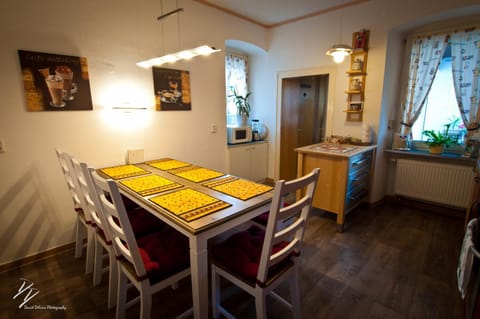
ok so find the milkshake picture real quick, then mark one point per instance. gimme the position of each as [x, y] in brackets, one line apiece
[66, 74]
[55, 88]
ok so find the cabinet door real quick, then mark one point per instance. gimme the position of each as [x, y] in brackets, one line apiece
[258, 162]
[239, 161]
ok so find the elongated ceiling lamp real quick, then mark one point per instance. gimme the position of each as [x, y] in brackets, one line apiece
[180, 55]
[340, 51]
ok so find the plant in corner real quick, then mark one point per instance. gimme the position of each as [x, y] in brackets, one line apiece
[437, 140]
[243, 106]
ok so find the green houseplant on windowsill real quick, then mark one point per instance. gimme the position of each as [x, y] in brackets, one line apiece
[243, 106]
[437, 140]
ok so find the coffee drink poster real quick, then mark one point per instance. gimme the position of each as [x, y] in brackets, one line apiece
[55, 82]
[172, 89]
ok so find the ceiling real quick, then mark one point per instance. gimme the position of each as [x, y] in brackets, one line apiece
[271, 13]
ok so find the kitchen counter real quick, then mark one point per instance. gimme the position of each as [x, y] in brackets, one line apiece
[345, 178]
[338, 150]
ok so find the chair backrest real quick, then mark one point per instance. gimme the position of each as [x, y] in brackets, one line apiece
[118, 224]
[93, 206]
[287, 239]
[65, 161]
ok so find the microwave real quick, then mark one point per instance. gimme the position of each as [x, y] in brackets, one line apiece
[239, 134]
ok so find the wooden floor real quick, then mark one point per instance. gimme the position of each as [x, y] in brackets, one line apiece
[391, 262]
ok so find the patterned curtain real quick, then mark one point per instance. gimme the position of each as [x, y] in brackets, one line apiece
[236, 73]
[425, 57]
[466, 76]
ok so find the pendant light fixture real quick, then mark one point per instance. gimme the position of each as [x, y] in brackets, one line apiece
[180, 55]
[340, 51]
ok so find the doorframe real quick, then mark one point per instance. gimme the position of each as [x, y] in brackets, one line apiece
[281, 75]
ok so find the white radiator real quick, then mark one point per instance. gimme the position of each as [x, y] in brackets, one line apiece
[446, 184]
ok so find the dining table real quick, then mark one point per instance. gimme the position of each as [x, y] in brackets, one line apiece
[199, 202]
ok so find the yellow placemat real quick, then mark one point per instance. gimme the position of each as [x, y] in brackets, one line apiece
[167, 163]
[123, 171]
[196, 174]
[189, 204]
[151, 184]
[238, 188]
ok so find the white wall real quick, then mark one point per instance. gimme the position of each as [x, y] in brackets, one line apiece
[35, 208]
[302, 46]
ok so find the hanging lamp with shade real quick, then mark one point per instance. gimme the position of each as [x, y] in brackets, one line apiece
[340, 51]
[180, 55]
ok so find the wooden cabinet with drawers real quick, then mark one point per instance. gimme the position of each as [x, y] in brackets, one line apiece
[345, 174]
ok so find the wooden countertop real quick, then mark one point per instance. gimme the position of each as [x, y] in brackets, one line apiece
[335, 150]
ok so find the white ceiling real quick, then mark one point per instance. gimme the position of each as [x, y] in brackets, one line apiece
[270, 13]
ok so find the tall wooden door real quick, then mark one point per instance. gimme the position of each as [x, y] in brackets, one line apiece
[288, 128]
[304, 101]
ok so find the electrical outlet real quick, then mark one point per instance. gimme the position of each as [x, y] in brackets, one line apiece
[134, 156]
[3, 146]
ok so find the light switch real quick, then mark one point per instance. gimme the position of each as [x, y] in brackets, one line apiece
[134, 156]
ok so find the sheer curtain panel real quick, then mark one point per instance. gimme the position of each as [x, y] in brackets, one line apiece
[425, 56]
[466, 76]
[236, 73]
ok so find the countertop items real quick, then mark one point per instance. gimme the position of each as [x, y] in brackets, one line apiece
[331, 149]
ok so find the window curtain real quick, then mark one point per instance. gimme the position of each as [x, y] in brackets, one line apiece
[425, 57]
[236, 75]
[466, 76]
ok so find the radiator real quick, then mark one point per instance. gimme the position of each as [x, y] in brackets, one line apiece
[445, 184]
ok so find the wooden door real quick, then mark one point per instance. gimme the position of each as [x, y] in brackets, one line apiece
[304, 101]
[288, 128]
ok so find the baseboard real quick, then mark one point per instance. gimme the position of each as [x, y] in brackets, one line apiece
[429, 207]
[33, 258]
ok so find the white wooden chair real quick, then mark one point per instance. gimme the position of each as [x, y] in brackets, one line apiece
[84, 229]
[151, 262]
[259, 260]
[102, 238]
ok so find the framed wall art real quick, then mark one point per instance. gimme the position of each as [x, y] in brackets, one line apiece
[54, 82]
[172, 89]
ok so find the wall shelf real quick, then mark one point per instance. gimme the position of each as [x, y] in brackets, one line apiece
[357, 75]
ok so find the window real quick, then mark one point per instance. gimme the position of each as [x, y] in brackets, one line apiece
[440, 105]
[443, 85]
[236, 76]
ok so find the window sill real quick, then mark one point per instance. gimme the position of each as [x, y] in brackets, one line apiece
[451, 158]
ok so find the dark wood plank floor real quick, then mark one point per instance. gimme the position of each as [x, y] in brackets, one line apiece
[391, 262]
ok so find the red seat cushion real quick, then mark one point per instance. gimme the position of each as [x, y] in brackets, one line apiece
[164, 253]
[129, 204]
[263, 218]
[240, 255]
[144, 222]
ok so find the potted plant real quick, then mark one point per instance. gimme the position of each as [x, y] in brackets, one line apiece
[243, 106]
[437, 140]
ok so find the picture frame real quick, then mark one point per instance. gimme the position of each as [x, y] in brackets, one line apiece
[54, 82]
[356, 84]
[360, 39]
[171, 89]
[355, 106]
